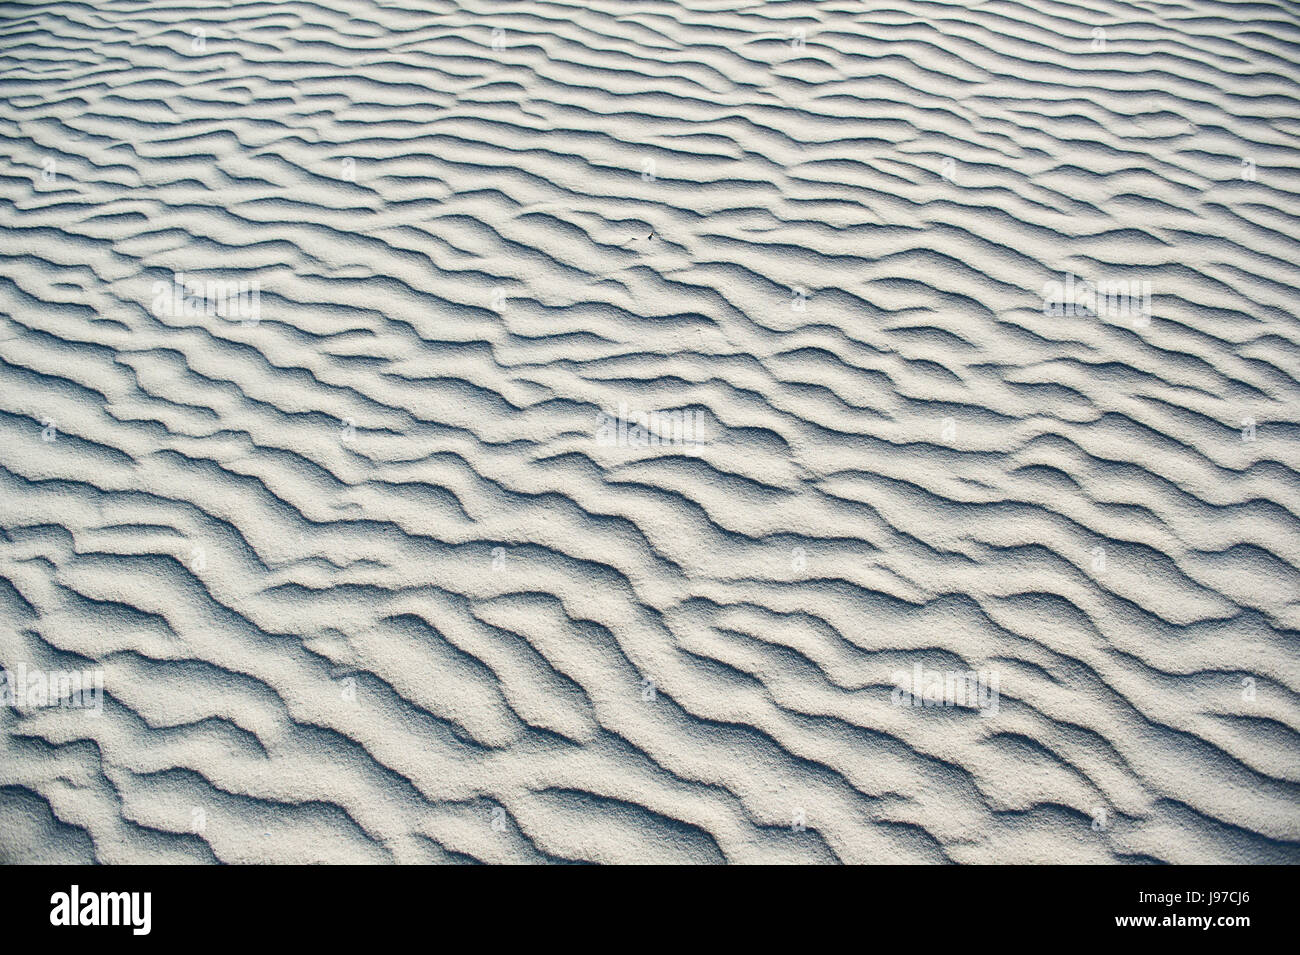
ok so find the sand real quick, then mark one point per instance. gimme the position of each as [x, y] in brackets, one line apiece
[327, 330]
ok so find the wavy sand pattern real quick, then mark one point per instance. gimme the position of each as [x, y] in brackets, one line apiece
[365, 585]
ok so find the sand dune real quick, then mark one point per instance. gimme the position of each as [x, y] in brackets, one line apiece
[326, 335]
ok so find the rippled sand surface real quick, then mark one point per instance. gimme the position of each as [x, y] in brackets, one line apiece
[373, 570]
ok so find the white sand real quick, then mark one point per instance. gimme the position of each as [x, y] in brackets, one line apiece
[362, 579]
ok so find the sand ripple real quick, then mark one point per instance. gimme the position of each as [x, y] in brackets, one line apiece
[365, 584]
